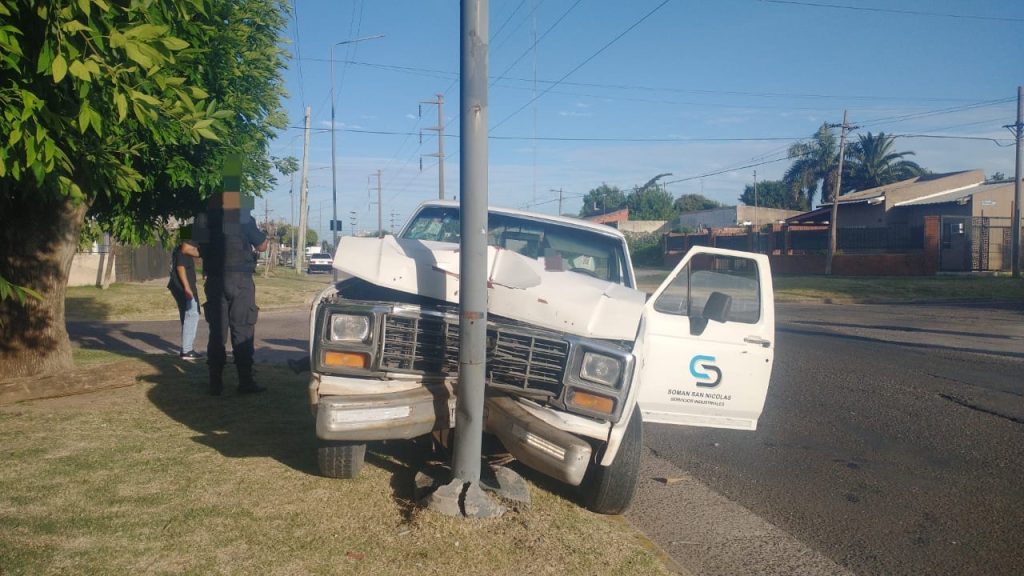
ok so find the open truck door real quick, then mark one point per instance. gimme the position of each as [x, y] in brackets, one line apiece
[707, 340]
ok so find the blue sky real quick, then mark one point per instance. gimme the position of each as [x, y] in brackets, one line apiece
[622, 91]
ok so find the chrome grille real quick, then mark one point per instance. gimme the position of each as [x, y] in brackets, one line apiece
[414, 344]
[527, 362]
[515, 360]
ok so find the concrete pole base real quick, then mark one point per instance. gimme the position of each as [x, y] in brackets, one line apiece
[436, 490]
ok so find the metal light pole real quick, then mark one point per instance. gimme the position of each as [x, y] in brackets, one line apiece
[463, 495]
[334, 172]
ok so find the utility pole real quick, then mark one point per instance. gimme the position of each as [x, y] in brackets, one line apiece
[303, 197]
[1018, 133]
[380, 209]
[291, 222]
[757, 228]
[559, 199]
[845, 127]
[440, 143]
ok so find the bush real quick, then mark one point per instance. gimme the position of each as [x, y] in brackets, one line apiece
[645, 249]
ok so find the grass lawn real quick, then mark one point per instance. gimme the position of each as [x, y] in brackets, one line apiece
[157, 477]
[152, 300]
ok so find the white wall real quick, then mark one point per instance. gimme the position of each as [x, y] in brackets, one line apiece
[86, 267]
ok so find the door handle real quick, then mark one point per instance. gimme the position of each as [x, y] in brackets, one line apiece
[758, 340]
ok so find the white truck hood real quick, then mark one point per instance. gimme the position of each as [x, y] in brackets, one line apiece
[517, 287]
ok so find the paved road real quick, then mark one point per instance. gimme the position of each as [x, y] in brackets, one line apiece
[891, 443]
[280, 334]
[875, 456]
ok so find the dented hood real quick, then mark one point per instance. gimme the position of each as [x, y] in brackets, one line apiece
[517, 287]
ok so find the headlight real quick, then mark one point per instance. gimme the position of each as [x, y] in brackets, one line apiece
[601, 369]
[349, 328]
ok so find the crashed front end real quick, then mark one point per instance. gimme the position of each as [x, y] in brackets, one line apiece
[385, 353]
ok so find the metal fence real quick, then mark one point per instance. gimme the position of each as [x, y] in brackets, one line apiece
[990, 244]
[849, 240]
[141, 263]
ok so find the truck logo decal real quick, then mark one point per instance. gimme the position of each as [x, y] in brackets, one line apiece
[704, 370]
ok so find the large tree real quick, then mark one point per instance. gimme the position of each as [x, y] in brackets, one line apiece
[814, 169]
[123, 112]
[651, 201]
[771, 194]
[602, 200]
[695, 203]
[871, 162]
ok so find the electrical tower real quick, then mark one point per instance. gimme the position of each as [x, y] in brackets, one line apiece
[440, 142]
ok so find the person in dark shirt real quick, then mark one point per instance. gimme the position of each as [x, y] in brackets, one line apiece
[182, 284]
[229, 262]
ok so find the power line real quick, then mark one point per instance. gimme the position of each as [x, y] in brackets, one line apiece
[896, 11]
[512, 14]
[536, 42]
[635, 139]
[583, 63]
[437, 73]
[498, 44]
[996, 141]
[298, 50]
[939, 112]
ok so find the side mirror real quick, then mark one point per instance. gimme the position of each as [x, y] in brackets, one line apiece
[716, 308]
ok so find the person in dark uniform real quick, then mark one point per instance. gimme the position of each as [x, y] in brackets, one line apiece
[229, 259]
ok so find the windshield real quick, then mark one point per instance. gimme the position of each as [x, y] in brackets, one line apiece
[559, 247]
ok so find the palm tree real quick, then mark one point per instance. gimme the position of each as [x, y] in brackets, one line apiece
[872, 163]
[815, 162]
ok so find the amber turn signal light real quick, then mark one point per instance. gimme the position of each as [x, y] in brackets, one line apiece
[346, 359]
[592, 401]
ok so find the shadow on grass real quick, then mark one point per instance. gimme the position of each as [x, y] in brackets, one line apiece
[86, 307]
[276, 424]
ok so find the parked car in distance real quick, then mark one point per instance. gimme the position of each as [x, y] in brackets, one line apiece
[319, 263]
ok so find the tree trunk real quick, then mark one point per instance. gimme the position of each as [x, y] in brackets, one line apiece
[40, 239]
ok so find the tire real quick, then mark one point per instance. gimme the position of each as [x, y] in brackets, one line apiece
[340, 459]
[610, 489]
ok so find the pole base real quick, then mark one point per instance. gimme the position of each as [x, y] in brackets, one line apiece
[436, 490]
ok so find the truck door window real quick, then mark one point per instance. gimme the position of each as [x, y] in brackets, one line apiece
[707, 273]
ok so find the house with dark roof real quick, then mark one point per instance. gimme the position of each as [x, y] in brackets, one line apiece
[973, 216]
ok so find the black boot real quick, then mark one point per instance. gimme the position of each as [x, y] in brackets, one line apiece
[246, 384]
[216, 380]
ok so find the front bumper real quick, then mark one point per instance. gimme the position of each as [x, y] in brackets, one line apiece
[409, 413]
[398, 415]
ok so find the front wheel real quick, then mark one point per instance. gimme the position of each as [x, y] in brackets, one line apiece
[340, 459]
[610, 489]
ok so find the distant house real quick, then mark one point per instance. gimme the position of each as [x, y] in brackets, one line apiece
[610, 218]
[731, 216]
[973, 217]
[906, 202]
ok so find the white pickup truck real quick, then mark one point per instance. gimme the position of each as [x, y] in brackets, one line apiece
[577, 357]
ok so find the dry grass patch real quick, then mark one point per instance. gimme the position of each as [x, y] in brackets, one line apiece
[158, 477]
